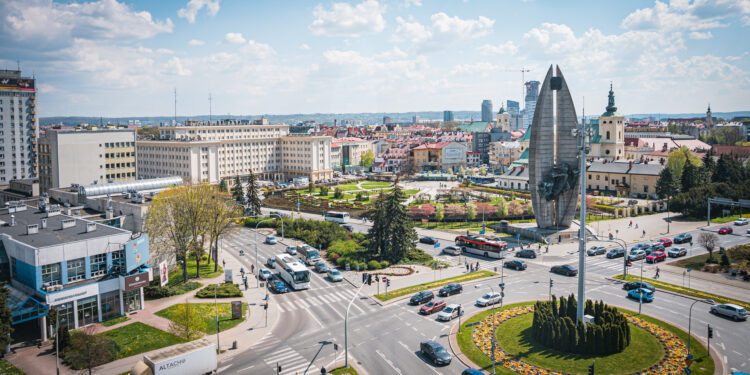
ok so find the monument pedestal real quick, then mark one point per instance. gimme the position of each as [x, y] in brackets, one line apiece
[533, 232]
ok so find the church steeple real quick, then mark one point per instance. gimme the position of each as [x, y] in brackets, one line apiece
[709, 117]
[611, 108]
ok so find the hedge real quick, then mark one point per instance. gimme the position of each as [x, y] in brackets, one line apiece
[224, 290]
[156, 292]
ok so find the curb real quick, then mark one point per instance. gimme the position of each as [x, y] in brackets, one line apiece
[664, 290]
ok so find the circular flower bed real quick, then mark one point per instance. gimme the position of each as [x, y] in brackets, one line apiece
[396, 271]
[673, 361]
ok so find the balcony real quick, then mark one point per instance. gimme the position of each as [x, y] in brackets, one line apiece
[33, 105]
[33, 143]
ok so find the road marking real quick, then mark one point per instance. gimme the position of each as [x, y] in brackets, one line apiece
[354, 304]
[312, 315]
[723, 347]
[736, 352]
[240, 370]
[220, 369]
[725, 359]
[388, 361]
[404, 345]
[717, 334]
[304, 304]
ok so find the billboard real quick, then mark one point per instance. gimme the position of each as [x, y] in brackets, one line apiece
[163, 274]
[23, 84]
[136, 252]
[134, 281]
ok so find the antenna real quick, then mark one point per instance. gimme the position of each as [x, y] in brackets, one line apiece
[18, 64]
[209, 108]
[175, 106]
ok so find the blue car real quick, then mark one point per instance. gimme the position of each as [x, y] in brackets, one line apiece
[648, 296]
[277, 286]
[471, 371]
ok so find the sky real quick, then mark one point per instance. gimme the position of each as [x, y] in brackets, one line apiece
[113, 58]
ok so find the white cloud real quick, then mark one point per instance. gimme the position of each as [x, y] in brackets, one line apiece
[395, 53]
[507, 48]
[234, 38]
[685, 15]
[196, 42]
[175, 66]
[46, 88]
[304, 47]
[379, 73]
[442, 23]
[194, 6]
[416, 3]
[443, 30]
[411, 30]
[349, 21]
[698, 35]
[258, 50]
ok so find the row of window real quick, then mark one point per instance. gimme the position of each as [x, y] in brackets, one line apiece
[52, 275]
[119, 144]
[120, 165]
[645, 188]
[119, 155]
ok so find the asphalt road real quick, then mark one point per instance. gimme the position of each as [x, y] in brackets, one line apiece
[385, 340]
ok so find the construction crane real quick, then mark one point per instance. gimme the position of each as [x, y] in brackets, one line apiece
[523, 81]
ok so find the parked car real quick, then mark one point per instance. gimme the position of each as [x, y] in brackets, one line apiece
[432, 306]
[656, 256]
[638, 285]
[740, 221]
[637, 255]
[428, 240]
[516, 264]
[435, 352]
[348, 227]
[725, 230]
[641, 294]
[321, 267]
[656, 246]
[666, 242]
[488, 299]
[271, 240]
[271, 262]
[292, 250]
[334, 275]
[452, 288]
[683, 238]
[565, 269]
[422, 297]
[277, 286]
[596, 250]
[615, 253]
[265, 274]
[452, 250]
[677, 252]
[451, 311]
[730, 310]
[526, 253]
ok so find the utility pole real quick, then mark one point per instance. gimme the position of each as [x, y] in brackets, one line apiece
[216, 306]
[582, 230]
[175, 105]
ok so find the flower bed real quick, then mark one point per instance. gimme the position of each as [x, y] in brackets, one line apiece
[396, 271]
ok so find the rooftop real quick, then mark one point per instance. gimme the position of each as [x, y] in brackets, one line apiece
[651, 169]
[476, 126]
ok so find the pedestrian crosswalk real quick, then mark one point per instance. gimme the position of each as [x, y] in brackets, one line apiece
[268, 340]
[288, 359]
[305, 301]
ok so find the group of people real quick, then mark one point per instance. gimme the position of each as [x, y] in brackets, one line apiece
[471, 267]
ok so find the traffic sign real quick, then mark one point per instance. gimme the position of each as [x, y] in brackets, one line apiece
[518, 235]
[501, 285]
[471, 324]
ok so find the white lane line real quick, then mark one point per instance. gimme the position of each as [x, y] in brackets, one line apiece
[404, 345]
[333, 297]
[303, 303]
[357, 307]
[312, 315]
[280, 355]
[389, 362]
[723, 347]
[313, 301]
[293, 367]
[717, 334]
[245, 369]
[736, 352]
[281, 308]
[326, 301]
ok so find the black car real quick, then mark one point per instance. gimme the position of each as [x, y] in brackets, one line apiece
[566, 270]
[516, 265]
[471, 371]
[428, 240]
[615, 253]
[640, 246]
[637, 284]
[682, 238]
[654, 248]
[321, 267]
[277, 285]
[526, 253]
[421, 297]
[435, 352]
[452, 288]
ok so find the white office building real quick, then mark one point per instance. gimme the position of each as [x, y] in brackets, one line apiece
[19, 127]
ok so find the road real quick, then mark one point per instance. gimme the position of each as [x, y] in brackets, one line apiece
[385, 340]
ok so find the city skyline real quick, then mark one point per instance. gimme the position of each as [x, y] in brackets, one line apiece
[113, 59]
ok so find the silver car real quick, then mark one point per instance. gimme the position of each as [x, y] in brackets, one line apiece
[488, 299]
[637, 255]
[596, 250]
[730, 310]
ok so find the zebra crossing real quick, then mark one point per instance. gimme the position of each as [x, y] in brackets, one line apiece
[268, 340]
[290, 361]
[305, 301]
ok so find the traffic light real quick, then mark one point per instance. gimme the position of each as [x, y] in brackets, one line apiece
[364, 277]
[388, 283]
[369, 279]
[710, 332]
[377, 279]
[336, 347]
[592, 368]
[551, 283]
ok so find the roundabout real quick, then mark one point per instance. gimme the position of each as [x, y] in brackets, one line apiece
[656, 347]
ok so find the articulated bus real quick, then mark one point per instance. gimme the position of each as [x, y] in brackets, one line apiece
[293, 272]
[482, 246]
[339, 217]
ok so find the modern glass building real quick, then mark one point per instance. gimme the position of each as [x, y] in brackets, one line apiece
[448, 116]
[532, 95]
[487, 112]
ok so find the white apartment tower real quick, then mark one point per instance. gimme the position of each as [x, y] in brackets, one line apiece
[19, 127]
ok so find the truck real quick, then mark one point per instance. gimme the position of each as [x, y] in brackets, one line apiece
[193, 358]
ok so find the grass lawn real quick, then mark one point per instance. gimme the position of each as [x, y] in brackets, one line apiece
[727, 219]
[698, 261]
[8, 369]
[687, 291]
[207, 312]
[375, 185]
[111, 322]
[137, 338]
[435, 284]
[346, 187]
[344, 371]
[455, 224]
[207, 272]
[411, 192]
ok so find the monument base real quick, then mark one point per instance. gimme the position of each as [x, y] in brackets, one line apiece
[533, 232]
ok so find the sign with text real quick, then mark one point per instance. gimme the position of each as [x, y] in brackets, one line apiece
[236, 310]
[136, 252]
[134, 281]
[163, 273]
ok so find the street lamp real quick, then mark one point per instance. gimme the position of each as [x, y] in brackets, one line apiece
[493, 332]
[690, 318]
[346, 326]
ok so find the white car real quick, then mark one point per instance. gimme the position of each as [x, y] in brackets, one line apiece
[488, 299]
[677, 252]
[449, 312]
[453, 250]
[740, 221]
[292, 250]
[271, 240]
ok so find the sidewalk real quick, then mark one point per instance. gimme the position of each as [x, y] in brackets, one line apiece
[710, 282]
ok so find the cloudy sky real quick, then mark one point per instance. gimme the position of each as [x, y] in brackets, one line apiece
[114, 58]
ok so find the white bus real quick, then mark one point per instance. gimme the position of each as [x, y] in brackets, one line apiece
[293, 272]
[482, 246]
[338, 217]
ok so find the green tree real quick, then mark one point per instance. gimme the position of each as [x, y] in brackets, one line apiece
[690, 177]
[88, 350]
[724, 260]
[338, 193]
[5, 314]
[186, 322]
[324, 191]
[502, 209]
[253, 196]
[311, 187]
[439, 212]
[729, 169]
[238, 192]
[449, 126]
[709, 164]
[392, 235]
[530, 209]
[666, 185]
[461, 171]
[220, 214]
[223, 186]
[678, 158]
[367, 158]
[483, 171]
[471, 211]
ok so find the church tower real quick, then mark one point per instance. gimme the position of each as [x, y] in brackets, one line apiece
[611, 131]
[709, 119]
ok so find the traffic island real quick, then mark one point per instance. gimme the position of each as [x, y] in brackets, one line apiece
[655, 347]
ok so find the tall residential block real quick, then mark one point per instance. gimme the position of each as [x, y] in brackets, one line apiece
[487, 112]
[448, 116]
[86, 157]
[19, 127]
[532, 95]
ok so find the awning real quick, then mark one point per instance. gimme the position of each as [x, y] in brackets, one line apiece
[24, 307]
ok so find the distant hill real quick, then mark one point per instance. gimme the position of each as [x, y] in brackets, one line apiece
[721, 115]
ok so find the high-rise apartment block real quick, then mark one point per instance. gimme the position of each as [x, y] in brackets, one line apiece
[487, 110]
[448, 116]
[19, 127]
[86, 157]
[532, 94]
[203, 152]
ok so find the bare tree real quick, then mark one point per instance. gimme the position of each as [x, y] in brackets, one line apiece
[220, 214]
[708, 241]
[186, 322]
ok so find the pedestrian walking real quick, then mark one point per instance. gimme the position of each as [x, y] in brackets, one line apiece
[223, 263]
[657, 273]
[636, 225]
[644, 233]
[477, 268]
[467, 265]
[252, 268]
[631, 224]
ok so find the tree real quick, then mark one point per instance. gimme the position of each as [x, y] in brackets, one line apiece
[666, 185]
[366, 159]
[253, 196]
[461, 171]
[88, 350]
[728, 169]
[323, 191]
[220, 214]
[678, 158]
[439, 212]
[311, 187]
[471, 211]
[392, 235]
[709, 164]
[338, 193]
[186, 322]
[483, 171]
[708, 241]
[5, 314]
[449, 126]
[223, 186]
[502, 209]
[690, 177]
[529, 209]
[238, 192]
[724, 260]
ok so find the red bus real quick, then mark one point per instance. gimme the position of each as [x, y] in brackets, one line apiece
[482, 246]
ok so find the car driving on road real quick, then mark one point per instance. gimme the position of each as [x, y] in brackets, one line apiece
[516, 264]
[666, 242]
[334, 275]
[277, 285]
[291, 250]
[637, 284]
[615, 253]
[421, 297]
[449, 312]
[741, 221]
[730, 310]
[725, 230]
[641, 294]
[450, 289]
[656, 256]
[428, 240]
[565, 270]
[683, 238]
[526, 253]
[596, 250]
[265, 274]
[488, 299]
[271, 262]
[321, 267]
[435, 352]
[452, 250]
[637, 255]
[432, 306]
[271, 240]
[677, 252]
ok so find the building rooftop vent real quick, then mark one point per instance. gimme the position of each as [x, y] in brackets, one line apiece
[90, 227]
[67, 223]
[32, 229]
[53, 210]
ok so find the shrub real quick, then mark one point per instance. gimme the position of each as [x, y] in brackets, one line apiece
[156, 291]
[374, 265]
[724, 260]
[384, 264]
[224, 290]
[64, 335]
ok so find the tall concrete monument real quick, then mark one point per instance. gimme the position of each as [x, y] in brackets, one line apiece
[553, 155]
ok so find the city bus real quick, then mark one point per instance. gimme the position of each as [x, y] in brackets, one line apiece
[482, 246]
[293, 272]
[338, 217]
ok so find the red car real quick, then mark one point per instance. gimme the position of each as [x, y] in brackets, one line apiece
[725, 230]
[666, 242]
[656, 256]
[432, 306]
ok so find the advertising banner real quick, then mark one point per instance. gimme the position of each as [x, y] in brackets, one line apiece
[236, 310]
[22, 84]
[134, 282]
[136, 252]
[163, 273]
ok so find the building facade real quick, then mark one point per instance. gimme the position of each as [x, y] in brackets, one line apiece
[487, 110]
[350, 150]
[532, 95]
[502, 154]
[448, 116]
[86, 157]
[19, 127]
[624, 177]
[608, 139]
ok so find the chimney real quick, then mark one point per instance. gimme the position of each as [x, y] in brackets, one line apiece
[12, 220]
[630, 165]
[44, 223]
[32, 229]
[90, 227]
[662, 161]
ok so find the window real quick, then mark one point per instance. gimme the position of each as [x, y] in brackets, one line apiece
[118, 261]
[597, 177]
[607, 134]
[645, 188]
[98, 265]
[51, 274]
[76, 270]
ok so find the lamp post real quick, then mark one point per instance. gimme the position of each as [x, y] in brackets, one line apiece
[216, 306]
[690, 319]
[493, 332]
[257, 265]
[282, 224]
[346, 326]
